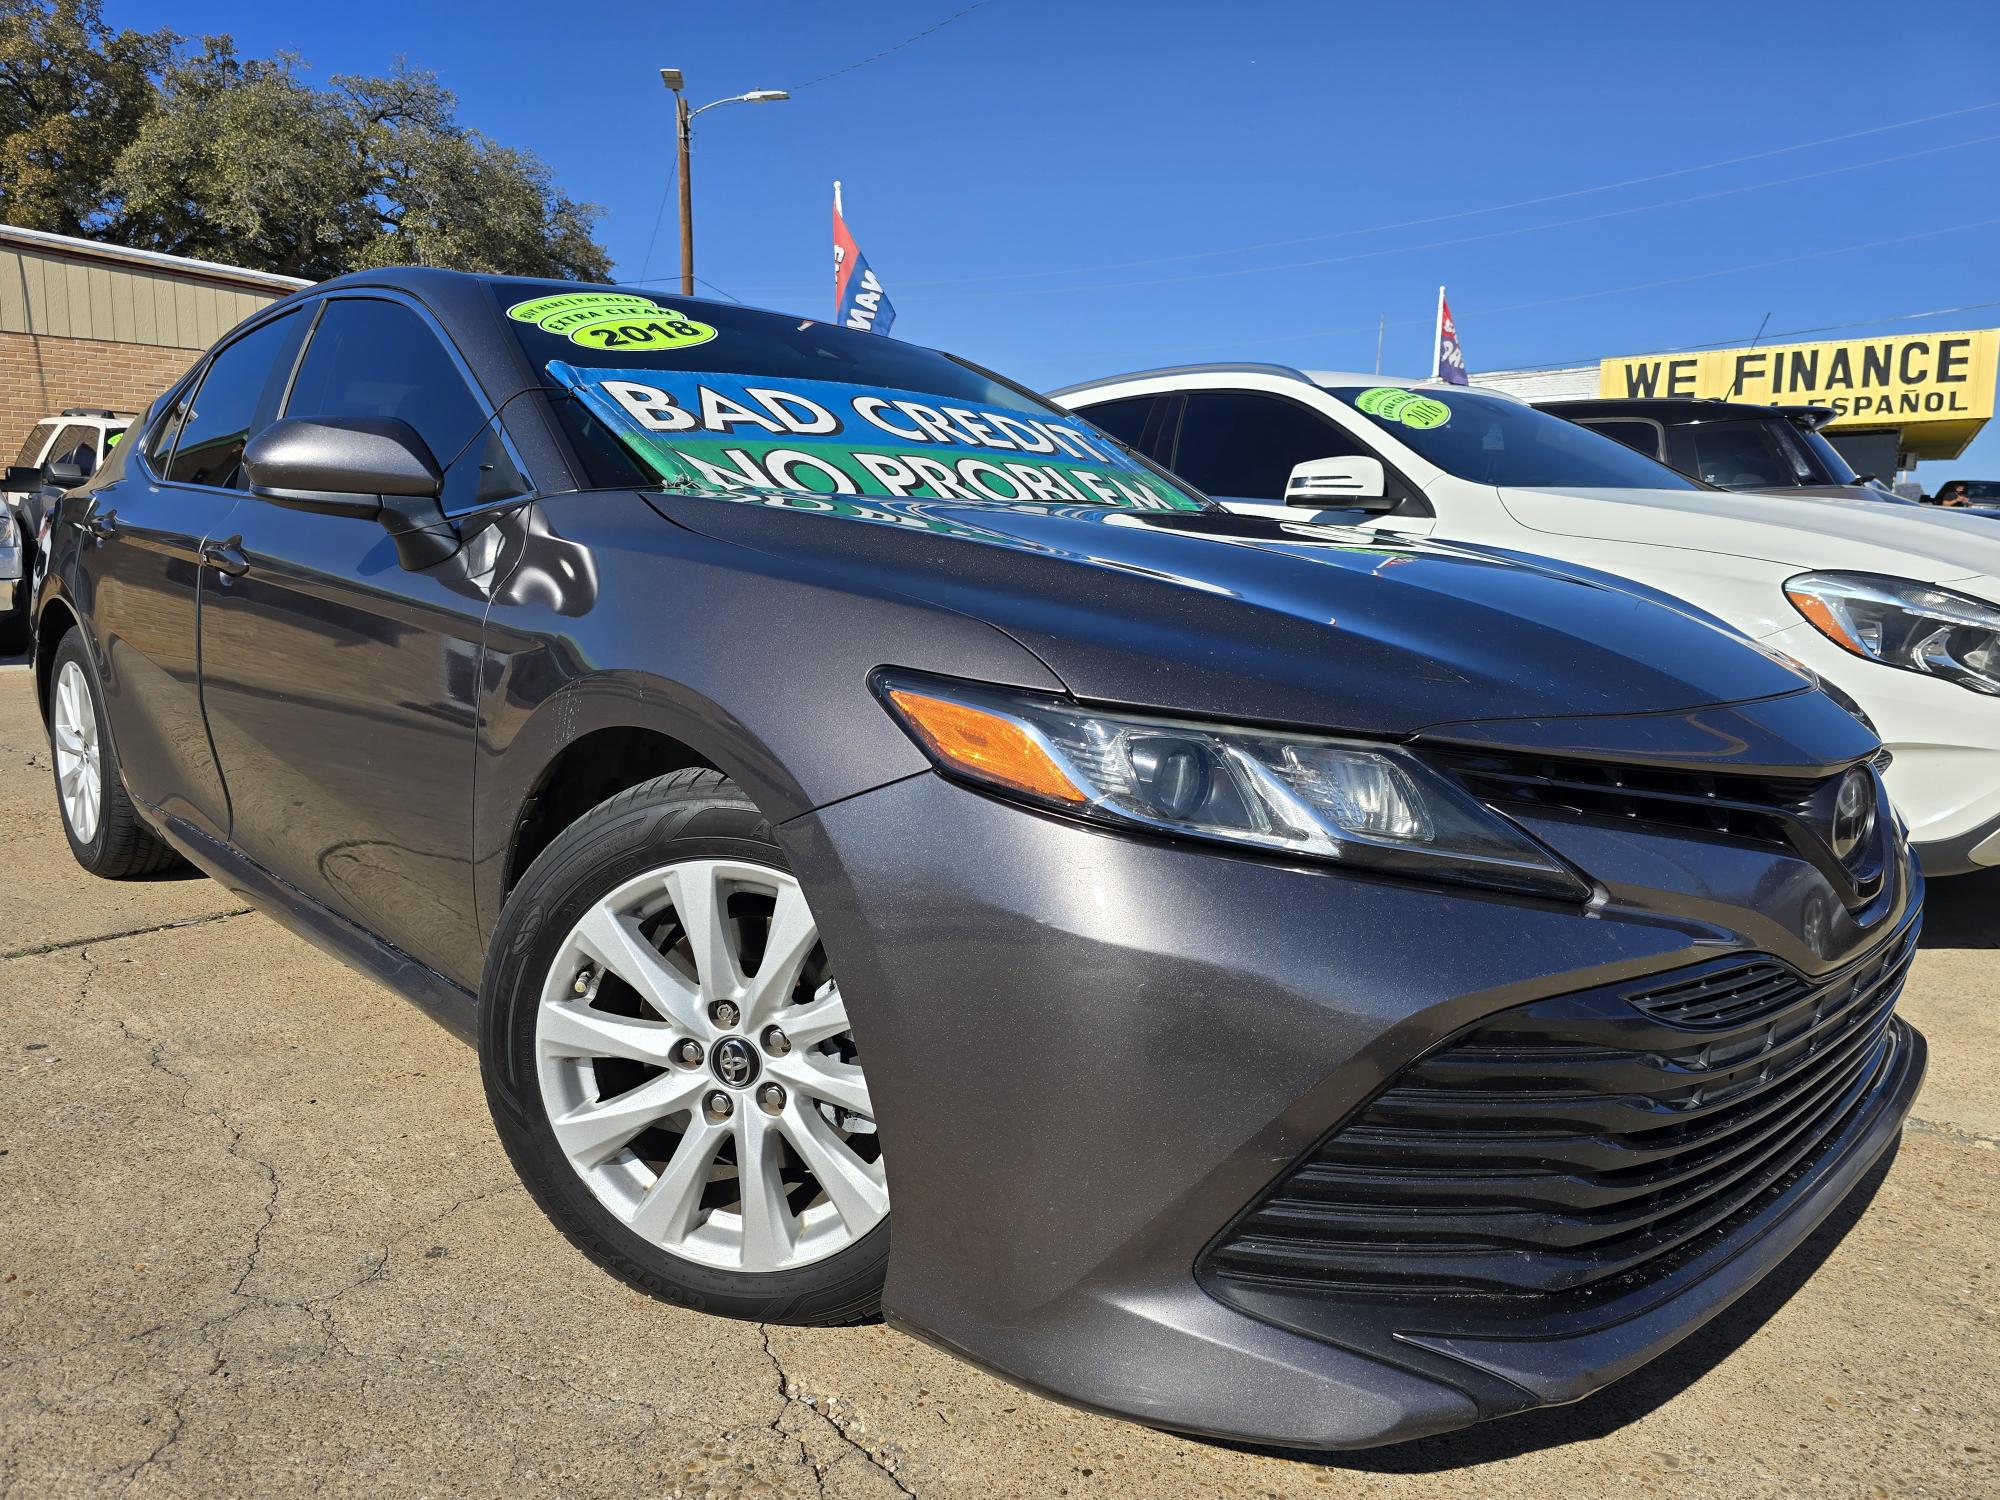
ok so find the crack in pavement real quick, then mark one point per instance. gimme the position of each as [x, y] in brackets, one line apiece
[37, 950]
[1953, 1133]
[211, 1329]
[788, 1397]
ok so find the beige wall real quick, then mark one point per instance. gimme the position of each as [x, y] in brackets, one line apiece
[59, 297]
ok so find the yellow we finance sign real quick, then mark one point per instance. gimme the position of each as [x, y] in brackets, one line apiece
[1936, 387]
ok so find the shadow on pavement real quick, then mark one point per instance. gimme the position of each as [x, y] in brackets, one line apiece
[1963, 911]
[1638, 1394]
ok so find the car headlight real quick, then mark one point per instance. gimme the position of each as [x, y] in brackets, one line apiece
[1902, 623]
[9, 534]
[1367, 805]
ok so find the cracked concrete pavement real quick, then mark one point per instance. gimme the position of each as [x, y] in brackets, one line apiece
[257, 1238]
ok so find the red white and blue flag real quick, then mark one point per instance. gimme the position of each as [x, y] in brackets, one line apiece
[858, 298]
[1450, 358]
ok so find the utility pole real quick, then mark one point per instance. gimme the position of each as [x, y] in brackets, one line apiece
[683, 137]
[1381, 323]
[682, 120]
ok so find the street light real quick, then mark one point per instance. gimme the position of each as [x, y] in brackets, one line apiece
[683, 119]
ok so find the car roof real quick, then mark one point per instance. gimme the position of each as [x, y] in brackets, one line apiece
[1254, 367]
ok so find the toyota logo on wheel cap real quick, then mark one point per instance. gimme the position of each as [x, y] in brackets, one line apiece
[734, 1061]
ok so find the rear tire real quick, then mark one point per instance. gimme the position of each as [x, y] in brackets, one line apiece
[104, 829]
[669, 1064]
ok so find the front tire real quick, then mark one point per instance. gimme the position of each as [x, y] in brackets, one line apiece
[105, 831]
[670, 1064]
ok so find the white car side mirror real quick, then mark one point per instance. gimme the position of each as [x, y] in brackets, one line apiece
[1338, 484]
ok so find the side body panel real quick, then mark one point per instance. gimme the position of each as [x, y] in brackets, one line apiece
[341, 691]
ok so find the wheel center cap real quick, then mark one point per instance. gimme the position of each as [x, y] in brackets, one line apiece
[734, 1061]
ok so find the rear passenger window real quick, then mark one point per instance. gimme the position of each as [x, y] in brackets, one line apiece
[370, 358]
[236, 399]
[1127, 420]
[160, 440]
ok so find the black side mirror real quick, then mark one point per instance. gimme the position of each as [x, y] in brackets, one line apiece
[371, 468]
[64, 476]
[22, 477]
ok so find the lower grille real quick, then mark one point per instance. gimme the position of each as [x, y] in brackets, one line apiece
[1584, 1143]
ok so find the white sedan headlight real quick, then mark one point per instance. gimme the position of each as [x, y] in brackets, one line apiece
[1899, 622]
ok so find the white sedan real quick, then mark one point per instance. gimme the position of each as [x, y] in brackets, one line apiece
[1898, 607]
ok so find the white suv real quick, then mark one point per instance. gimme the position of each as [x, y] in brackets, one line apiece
[82, 436]
[1896, 606]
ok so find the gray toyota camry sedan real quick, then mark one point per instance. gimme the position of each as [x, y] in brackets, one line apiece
[895, 848]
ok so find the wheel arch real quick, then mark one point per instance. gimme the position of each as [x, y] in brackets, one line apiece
[56, 620]
[584, 772]
[542, 767]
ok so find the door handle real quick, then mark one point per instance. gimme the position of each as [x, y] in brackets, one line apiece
[226, 557]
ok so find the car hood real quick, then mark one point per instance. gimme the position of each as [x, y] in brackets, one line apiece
[1254, 618]
[1795, 530]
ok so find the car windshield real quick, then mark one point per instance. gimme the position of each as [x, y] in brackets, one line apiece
[1494, 440]
[1753, 453]
[1838, 471]
[727, 400]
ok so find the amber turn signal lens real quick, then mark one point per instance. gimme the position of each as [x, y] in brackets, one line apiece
[1824, 620]
[986, 745]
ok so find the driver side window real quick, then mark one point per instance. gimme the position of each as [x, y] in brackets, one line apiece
[370, 357]
[1245, 444]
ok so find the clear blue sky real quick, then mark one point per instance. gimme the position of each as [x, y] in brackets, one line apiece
[992, 166]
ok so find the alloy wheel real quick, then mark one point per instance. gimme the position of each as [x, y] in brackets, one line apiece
[79, 759]
[699, 1073]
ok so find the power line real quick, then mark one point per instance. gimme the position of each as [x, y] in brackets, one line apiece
[673, 176]
[1469, 239]
[886, 51]
[1606, 187]
[1474, 311]
[1788, 333]
[720, 292]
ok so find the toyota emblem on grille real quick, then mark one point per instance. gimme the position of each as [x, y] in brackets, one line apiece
[1853, 814]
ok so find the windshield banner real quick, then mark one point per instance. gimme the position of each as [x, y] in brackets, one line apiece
[736, 432]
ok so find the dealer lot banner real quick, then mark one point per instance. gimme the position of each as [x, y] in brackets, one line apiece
[726, 433]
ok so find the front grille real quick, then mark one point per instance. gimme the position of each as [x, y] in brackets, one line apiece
[1584, 1144]
[1759, 808]
[1794, 814]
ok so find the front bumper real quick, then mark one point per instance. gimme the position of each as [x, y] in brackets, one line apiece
[1090, 1052]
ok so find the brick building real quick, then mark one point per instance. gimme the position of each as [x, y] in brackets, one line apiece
[84, 324]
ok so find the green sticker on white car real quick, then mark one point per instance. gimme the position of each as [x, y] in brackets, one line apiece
[1393, 404]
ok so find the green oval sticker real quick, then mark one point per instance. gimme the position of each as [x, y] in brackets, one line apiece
[658, 328]
[543, 310]
[1407, 407]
